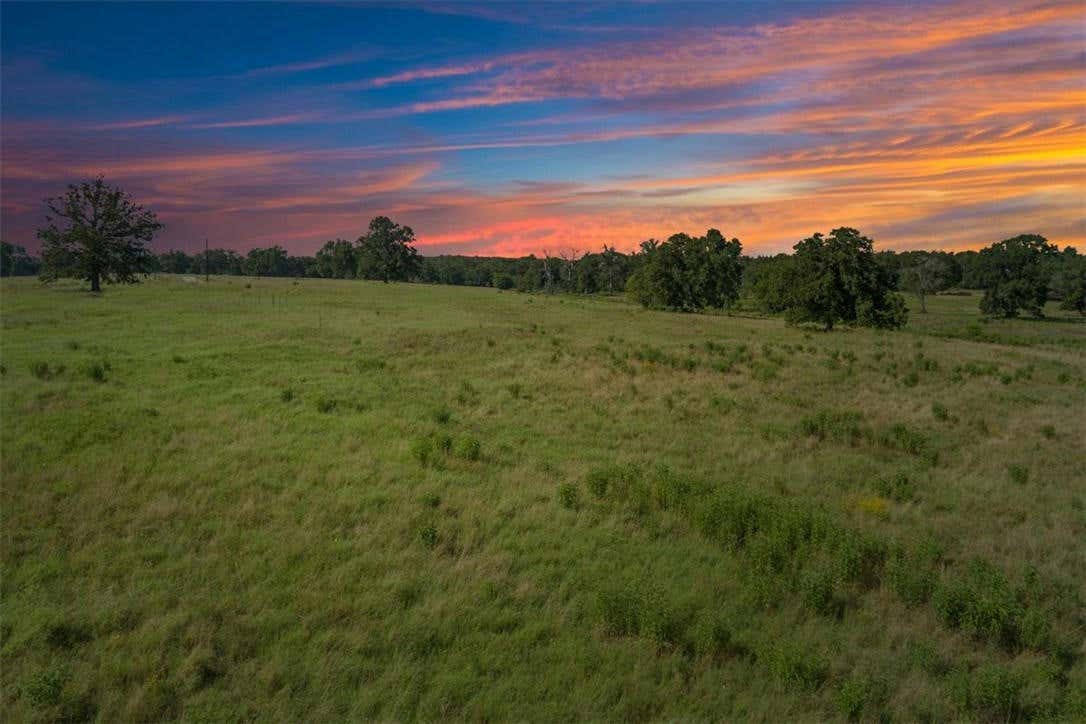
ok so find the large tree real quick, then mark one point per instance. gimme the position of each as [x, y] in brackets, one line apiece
[688, 273]
[835, 279]
[97, 233]
[1014, 274]
[385, 252]
[337, 260]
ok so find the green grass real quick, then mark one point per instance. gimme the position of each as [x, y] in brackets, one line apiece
[399, 501]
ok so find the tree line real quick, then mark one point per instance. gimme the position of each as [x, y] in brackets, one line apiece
[97, 233]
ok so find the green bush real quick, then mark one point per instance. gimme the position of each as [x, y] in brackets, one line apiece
[982, 603]
[429, 536]
[857, 694]
[898, 487]
[326, 404]
[1019, 474]
[468, 448]
[794, 666]
[97, 371]
[620, 609]
[569, 495]
[610, 478]
[286, 395]
[43, 371]
[835, 425]
[991, 693]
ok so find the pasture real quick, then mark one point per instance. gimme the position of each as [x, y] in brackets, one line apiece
[282, 500]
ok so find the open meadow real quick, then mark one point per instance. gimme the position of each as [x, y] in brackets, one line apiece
[277, 500]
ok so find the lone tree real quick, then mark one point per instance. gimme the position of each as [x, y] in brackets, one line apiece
[835, 278]
[385, 252]
[1014, 275]
[926, 277]
[96, 232]
[688, 273]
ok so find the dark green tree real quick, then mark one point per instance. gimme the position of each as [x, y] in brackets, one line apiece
[1070, 282]
[688, 273]
[97, 233]
[385, 252]
[15, 262]
[836, 279]
[1014, 274]
[337, 260]
[270, 262]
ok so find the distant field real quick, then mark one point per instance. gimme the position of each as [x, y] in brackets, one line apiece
[280, 500]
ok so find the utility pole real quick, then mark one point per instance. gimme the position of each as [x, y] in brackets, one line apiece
[207, 263]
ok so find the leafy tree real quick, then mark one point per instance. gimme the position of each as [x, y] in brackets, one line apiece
[1070, 282]
[1014, 274]
[385, 251]
[337, 260]
[835, 279]
[771, 283]
[97, 233]
[270, 262]
[688, 273]
[174, 262]
[15, 262]
[926, 277]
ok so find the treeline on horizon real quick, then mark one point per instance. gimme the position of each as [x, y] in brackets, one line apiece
[921, 272]
[97, 233]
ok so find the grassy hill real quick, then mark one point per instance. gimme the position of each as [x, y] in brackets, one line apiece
[285, 500]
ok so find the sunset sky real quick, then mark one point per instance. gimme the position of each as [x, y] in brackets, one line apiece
[514, 128]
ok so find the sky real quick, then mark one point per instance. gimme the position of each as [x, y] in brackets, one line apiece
[517, 128]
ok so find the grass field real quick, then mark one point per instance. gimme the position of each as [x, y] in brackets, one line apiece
[316, 500]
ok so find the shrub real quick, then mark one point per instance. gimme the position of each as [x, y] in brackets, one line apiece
[468, 448]
[44, 688]
[910, 573]
[66, 635]
[326, 404]
[732, 518]
[898, 487]
[795, 666]
[429, 536]
[839, 426]
[286, 395]
[620, 610]
[818, 591]
[467, 394]
[442, 415]
[981, 603]
[368, 364]
[97, 371]
[601, 480]
[1019, 474]
[858, 693]
[422, 449]
[43, 371]
[939, 412]
[991, 692]
[900, 437]
[712, 636]
[569, 495]
[661, 622]
[1049, 431]
[72, 344]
